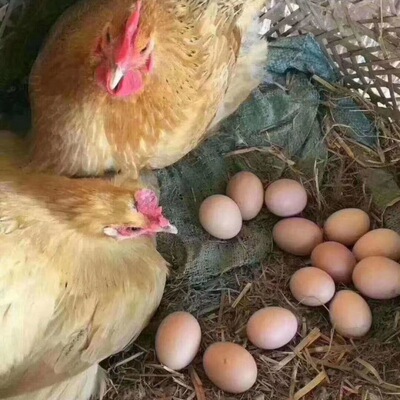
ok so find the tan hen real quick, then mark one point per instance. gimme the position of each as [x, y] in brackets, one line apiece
[126, 84]
[80, 277]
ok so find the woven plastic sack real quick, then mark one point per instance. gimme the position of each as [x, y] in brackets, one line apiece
[279, 115]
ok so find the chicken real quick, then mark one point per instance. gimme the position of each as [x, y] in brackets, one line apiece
[80, 277]
[13, 153]
[126, 85]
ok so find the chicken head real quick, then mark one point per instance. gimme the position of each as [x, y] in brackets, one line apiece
[147, 219]
[125, 59]
[90, 207]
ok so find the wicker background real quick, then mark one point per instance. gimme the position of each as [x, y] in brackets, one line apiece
[361, 36]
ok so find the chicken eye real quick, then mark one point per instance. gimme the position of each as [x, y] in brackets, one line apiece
[144, 49]
[108, 37]
[107, 34]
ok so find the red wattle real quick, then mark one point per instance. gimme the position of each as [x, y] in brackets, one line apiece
[132, 83]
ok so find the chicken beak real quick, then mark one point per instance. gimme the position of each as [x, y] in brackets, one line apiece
[170, 229]
[116, 79]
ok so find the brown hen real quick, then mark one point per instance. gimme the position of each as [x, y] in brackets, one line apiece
[124, 85]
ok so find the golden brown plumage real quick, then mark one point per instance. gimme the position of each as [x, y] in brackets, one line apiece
[192, 63]
[71, 293]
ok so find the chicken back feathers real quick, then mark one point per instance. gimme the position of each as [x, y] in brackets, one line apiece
[190, 62]
[70, 295]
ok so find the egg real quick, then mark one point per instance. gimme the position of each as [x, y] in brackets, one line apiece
[335, 259]
[377, 277]
[350, 314]
[178, 340]
[247, 191]
[379, 242]
[311, 286]
[347, 226]
[230, 367]
[271, 328]
[285, 198]
[297, 236]
[220, 216]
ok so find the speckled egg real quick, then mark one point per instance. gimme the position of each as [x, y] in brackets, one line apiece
[230, 367]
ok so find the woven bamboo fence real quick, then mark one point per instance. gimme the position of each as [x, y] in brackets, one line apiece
[361, 36]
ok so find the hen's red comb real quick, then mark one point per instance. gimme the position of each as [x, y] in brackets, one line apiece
[148, 204]
[133, 20]
[147, 201]
[130, 35]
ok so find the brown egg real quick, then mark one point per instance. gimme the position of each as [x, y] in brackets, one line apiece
[312, 286]
[230, 367]
[247, 191]
[379, 242]
[271, 327]
[285, 198]
[178, 340]
[377, 277]
[297, 236]
[350, 314]
[347, 226]
[335, 259]
[220, 216]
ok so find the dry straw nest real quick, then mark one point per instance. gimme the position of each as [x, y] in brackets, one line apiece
[363, 39]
